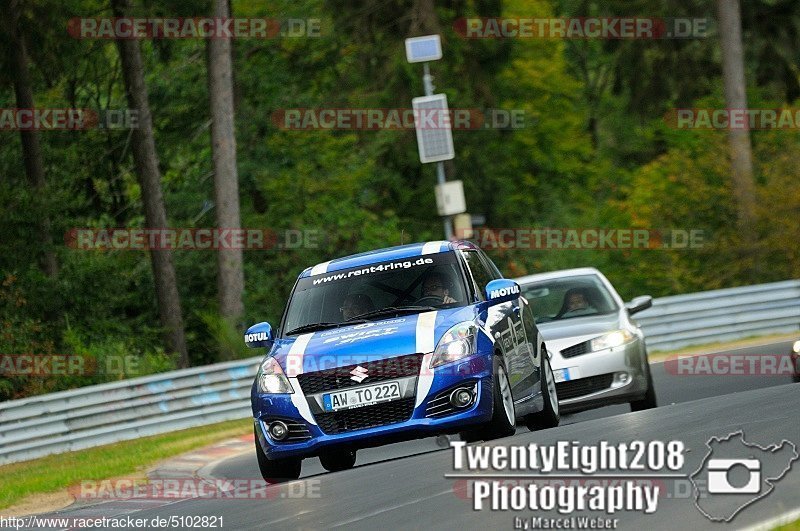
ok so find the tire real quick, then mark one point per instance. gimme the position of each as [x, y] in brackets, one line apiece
[277, 470]
[549, 417]
[338, 460]
[503, 421]
[648, 401]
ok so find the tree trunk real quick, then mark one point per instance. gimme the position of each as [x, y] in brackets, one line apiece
[31, 149]
[230, 276]
[155, 215]
[730, 35]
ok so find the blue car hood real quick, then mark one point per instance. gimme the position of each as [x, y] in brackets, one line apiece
[372, 341]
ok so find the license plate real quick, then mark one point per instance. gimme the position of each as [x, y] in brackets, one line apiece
[362, 396]
[565, 375]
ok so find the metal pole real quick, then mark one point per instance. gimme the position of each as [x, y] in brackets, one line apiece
[448, 223]
[427, 80]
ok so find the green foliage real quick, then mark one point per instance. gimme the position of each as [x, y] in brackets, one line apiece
[595, 152]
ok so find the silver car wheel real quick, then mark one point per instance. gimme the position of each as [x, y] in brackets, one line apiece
[505, 393]
[551, 387]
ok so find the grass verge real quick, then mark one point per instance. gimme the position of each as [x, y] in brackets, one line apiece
[56, 472]
[793, 526]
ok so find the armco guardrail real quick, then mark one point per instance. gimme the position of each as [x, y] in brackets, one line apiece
[107, 413]
[721, 315]
[102, 414]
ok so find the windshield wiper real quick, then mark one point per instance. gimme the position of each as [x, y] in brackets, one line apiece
[392, 310]
[311, 327]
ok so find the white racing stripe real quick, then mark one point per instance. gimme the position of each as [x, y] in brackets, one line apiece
[294, 366]
[320, 268]
[300, 402]
[294, 360]
[431, 247]
[426, 342]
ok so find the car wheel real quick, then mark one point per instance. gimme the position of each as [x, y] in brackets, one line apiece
[276, 470]
[548, 417]
[337, 460]
[649, 400]
[504, 420]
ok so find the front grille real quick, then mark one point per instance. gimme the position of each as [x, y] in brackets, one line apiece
[583, 386]
[576, 350]
[366, 417]
[298, 431]
[378, 371]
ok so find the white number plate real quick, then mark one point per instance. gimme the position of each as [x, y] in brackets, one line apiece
[362, 396]
[565, 375]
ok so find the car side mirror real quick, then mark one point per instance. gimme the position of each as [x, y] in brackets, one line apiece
[501, 290]
[259, 335]
[638, 304]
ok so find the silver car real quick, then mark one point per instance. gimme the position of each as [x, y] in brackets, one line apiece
[597, 351]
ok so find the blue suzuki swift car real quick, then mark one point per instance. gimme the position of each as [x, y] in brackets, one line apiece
[397, 344]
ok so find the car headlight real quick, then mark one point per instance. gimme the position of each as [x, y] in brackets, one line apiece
[456, 343]
[796, 347]
[271, 379]
[612, 339]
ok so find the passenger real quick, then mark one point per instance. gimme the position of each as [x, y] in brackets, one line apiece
[356, 304]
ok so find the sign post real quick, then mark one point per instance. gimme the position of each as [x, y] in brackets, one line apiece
[434, 130]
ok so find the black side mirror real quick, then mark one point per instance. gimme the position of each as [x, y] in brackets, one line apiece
[638, 304]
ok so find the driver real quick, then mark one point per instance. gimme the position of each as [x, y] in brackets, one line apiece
[576, 302]
[437, 285]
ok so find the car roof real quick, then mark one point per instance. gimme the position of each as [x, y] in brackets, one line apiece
[562, 273]
[398, 252]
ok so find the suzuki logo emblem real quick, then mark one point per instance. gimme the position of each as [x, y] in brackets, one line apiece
[359, 374]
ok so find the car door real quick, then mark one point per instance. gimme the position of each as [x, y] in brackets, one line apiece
[503, 320]
[525, 336]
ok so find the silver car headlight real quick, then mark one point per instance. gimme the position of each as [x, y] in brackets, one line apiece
[457, 343]
[796, 347]
[612, 339]
[271, 378]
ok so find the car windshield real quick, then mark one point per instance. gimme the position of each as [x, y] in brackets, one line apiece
[376, 290]
[567, 298]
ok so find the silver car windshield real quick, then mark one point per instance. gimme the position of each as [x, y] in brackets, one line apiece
[430, 281]
[568, 298]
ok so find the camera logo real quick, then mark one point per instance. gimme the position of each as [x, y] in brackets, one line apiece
[718, 482]
[735, 474]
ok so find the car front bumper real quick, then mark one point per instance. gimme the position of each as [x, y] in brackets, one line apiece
[291, 409]
[609, 376]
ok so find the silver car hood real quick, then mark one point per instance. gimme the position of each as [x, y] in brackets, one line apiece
[564, 333]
